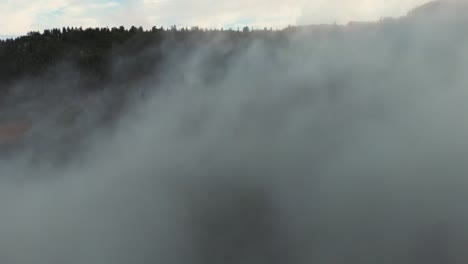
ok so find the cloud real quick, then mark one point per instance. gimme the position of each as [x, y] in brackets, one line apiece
[331, 11]
[22, 16]
[324, 150]
[260, 13]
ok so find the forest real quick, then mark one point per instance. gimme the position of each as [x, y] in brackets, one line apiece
[92, 51]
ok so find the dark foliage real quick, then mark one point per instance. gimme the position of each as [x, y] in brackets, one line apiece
[92, 51]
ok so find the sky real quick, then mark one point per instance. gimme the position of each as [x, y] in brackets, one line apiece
[22, 16]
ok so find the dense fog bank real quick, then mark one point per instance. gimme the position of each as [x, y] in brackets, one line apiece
[343, 146]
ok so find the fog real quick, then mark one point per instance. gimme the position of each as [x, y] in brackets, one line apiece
[347, 146]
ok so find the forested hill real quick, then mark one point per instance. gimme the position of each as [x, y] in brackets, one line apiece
[73, 80]
[95, 52]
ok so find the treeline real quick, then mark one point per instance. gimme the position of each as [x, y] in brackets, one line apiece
[96, 53]
[92, 50]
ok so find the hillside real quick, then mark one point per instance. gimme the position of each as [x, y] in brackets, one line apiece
[94, 52]
[440, 7]
[63, 76]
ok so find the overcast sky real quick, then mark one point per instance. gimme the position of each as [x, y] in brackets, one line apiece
[21, 16]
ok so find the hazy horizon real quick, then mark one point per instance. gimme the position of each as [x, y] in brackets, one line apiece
[22, 16]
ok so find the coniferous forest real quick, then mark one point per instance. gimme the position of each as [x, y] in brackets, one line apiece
[92, 51]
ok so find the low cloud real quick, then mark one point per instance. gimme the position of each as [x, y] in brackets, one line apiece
[26, 15]
[341, 12]
[345, 147]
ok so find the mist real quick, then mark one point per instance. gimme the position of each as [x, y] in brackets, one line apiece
[344, 146]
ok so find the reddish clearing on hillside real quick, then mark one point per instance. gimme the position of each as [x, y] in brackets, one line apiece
[13, 130]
